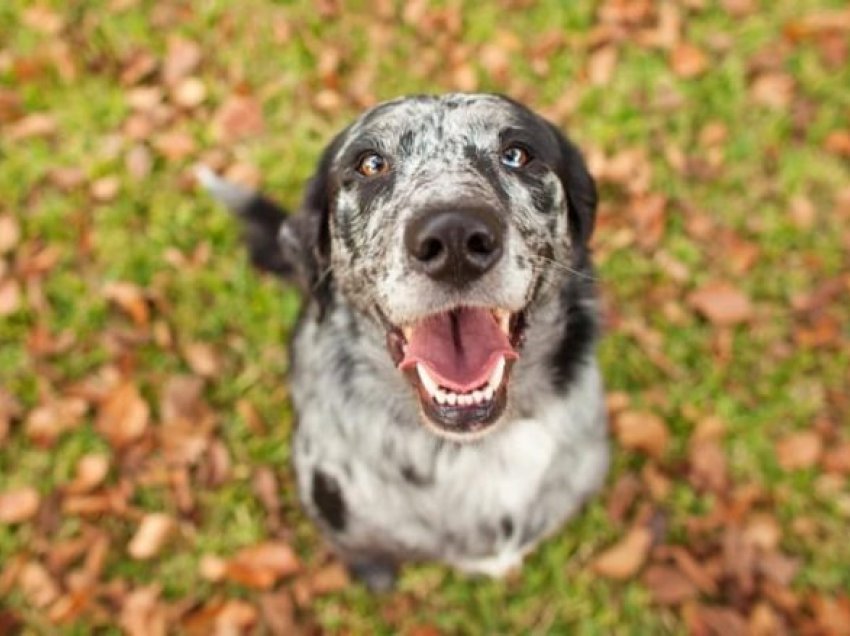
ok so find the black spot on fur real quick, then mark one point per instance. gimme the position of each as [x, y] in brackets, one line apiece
[578, 335]
[507, 526]
[405, 142]
[327, 496]
[412, 477]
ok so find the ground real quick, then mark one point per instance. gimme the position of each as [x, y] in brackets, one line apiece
[145, 483]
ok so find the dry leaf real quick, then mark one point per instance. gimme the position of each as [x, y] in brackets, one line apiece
[643, 431]
[151, 536]
[10, 296]
[202, 359]
[329, 579]
[189, 93]
[10, 233]
[105, 189]
[182, 58]
[838, 143]
[708, 466]
[688, 61]
[775, 90]
[47, 422]
[37, 585]
[260, 565]
[278, 613]
[18, 505]
[123, 416]
[239, 117]
[649, 214]
[130, 298]
[668, 586]
[623, 560]
[799, 450]
[721, 303]
[91, 471]
[31, 126]
[601, 65]
[143, 614]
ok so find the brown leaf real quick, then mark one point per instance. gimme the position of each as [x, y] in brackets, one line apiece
[799, 450]
[601, 65]
[105, 189]
[10, 233]
[18, 505]
[838, 143]
[643, 431]
[123, 416]
[331, 578]
[37, 585]
[668, 586]
[260, 565]
[624, 559]
[43, 19]
[31, 126]
[10, 296]
[239, 117]
[47, 422]
[721, 303]
[763, 531]
[152, 534]
[202, 359]
[189, 93]
[649, 214]
[278, 613]
[708, 466]
[91, 471]
[175, 145]
[181, 59]
[773, 89]
[721, 621]
[688, 61]
[130, 298]
[142, 613]
[837, 459]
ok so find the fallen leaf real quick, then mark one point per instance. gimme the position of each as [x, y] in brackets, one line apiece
[181, 59]
[601, 65]
[18, 505]
[10, 296]
[622, 560]
[43, 19]
[331, 578]
[774, 90]
[189, 93]
[152, 534]
[721, 621]
[838, 143]
[130, 298]
[239, 117]
[649, 214]
[688, 61]
[31, 126]
[202, 359]
[799, 450]
[762, 531]
[143, 613]
[643, 431]
[668, 586]
[278, 613]
[721, 303]
[10, 233]
[90, 473]
[123, 416]
[105, 189]
[47, 422]
[260, 565]
[708, 470]
[37, 585]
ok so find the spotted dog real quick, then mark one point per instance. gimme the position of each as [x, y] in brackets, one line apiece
[443, 370]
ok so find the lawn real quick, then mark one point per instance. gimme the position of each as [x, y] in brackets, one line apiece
[145, 483]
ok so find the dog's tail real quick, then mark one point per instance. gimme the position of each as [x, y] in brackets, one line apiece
[260, 217]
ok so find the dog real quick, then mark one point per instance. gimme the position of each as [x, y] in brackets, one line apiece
[443, 371]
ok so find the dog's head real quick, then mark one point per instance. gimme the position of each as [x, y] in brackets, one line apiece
[445, 219]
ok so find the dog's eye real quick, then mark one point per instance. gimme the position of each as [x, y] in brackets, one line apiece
[515, 157]
[372, 164]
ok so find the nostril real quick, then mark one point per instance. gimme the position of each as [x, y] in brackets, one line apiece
[480, 244]
[430, 249]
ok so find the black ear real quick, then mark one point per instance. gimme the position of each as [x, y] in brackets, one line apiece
[579, 187]
[295, 247]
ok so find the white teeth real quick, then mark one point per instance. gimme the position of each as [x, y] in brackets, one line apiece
[479, 396]
[426, 380]
[497, 375]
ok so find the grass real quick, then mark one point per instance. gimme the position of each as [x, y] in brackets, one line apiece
[272, 50]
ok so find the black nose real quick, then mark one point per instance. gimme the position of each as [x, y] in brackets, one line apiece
[455, 246]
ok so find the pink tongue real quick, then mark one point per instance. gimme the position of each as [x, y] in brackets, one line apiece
[459, 348]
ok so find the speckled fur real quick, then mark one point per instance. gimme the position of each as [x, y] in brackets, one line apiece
[382, 486]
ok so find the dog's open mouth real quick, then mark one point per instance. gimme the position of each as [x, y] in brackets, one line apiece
[459, 362]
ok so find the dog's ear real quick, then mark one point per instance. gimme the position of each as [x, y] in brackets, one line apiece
[294, 247]
[580, 189]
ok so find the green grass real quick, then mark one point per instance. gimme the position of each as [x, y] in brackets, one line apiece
[768, 388]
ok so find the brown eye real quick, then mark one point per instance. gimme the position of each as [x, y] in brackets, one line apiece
[514, 157]
[372, 164]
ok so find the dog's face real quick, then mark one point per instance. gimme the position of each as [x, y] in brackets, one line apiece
[447, 219]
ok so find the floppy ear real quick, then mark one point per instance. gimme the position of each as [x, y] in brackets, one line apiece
[580, 189]
[294, 247]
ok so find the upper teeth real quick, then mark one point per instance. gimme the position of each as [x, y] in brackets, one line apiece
[482, 394]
